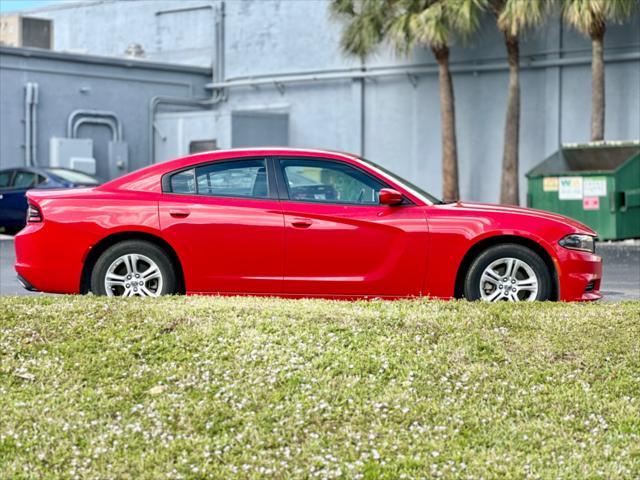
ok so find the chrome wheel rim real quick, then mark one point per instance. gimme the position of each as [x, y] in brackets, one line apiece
[133, 275]
[508, 279]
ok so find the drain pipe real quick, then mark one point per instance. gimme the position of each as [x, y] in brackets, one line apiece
[218, 95]
[28, 101]
[34, 125]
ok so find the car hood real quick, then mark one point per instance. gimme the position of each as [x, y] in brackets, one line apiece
[507, 209]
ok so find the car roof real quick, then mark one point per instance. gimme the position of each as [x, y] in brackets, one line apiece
[144, 178]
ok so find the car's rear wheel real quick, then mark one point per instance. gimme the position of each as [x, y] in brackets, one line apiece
[133, 268]
[508, 272]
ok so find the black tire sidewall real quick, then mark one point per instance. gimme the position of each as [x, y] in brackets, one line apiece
[154, 252]
[472, 280]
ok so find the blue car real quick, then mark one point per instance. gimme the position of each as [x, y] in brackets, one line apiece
[14, 182]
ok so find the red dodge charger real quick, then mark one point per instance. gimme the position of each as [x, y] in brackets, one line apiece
[295, 223]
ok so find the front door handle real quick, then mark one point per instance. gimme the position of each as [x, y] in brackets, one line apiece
[301, 222]
[179, 213]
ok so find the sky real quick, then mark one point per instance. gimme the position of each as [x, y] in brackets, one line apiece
[10, 5]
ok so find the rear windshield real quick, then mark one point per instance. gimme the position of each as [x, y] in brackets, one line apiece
[73, 176]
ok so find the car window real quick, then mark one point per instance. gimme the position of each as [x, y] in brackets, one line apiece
[329, 182]
[240, 178]
[5, 178]
[184, 182]
[24, 180]
[74, 176]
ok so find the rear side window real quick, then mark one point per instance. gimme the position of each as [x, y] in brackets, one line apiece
[242, 178]
[24, 180]
[183, 182]
[5, 178]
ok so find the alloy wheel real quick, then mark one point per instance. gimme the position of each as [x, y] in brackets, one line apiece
[508, 279]
[133, 275]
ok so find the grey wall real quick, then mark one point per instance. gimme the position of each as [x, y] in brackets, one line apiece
[68, 82]
[175, 31]
[401, 127]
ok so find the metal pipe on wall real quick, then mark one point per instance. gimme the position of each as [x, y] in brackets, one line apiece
[401, 70]
[160, 100]
[34, 124]
[94, 114]
[218, 95]
[96, 121]
[28, 99]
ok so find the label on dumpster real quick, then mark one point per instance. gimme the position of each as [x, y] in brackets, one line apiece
[550, 184]
[570, 188]
[591, 203]
[594, 187]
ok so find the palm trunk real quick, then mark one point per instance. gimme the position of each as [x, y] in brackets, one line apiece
[450, 189]
[597, 85]
[509, 192]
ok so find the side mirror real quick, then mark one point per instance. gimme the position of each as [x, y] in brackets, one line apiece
[389, 196]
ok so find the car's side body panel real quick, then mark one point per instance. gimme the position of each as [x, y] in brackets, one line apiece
[354, 250]
[456, 228]
[226, 244]
[51, 254]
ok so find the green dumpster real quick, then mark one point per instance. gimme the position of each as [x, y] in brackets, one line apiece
[597, 184]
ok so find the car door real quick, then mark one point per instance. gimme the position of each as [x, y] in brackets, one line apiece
[340, 241]
[225, 221]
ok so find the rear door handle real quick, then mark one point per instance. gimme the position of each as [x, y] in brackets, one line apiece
[301, 222]
[179, 213]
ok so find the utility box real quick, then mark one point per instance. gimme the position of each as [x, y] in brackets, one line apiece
[73, 153]
[597, 184]
[19, 31]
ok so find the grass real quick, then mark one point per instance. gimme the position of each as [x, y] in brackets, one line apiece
[254, 388]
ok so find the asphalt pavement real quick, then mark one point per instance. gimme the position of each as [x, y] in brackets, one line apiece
[621, 276]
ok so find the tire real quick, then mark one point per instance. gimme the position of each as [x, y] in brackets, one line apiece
[485, 279]
[127, 264]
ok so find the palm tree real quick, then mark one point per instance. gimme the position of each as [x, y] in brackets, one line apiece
[416, 23]
[590, 17]
[514, 16]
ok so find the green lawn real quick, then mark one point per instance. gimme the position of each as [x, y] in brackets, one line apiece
[254, 388]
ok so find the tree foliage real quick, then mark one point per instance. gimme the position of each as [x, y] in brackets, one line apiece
[591, 16]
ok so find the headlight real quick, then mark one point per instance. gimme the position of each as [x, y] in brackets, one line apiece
[584, 243]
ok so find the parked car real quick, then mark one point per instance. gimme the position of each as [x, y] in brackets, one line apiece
[14, 183]
[295, 223]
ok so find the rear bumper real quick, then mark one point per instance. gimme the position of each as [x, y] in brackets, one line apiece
[579, 275]
[45, 263]
[25, 284]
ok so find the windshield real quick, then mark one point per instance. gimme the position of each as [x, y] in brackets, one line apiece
[404, 182]
[73, 176]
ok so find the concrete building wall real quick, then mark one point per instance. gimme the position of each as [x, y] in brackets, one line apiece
[68, 82]
[401, 127]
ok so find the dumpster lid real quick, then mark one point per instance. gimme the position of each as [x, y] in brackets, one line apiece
[596, 157]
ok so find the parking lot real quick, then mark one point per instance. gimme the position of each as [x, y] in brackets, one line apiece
[621, 279]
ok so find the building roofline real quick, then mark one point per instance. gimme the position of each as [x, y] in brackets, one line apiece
[55, 6]
[102, 60]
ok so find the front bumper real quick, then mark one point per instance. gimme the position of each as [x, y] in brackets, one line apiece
[579, 275]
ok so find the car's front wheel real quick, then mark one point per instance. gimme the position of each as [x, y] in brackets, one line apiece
[508, 272]
[133, 268]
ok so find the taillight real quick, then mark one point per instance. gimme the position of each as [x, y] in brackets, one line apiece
[34, 214]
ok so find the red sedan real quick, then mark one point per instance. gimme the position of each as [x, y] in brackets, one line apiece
[295, 223]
